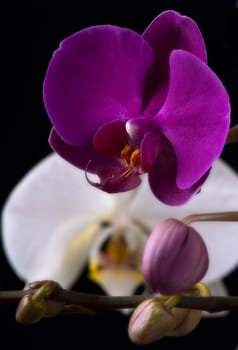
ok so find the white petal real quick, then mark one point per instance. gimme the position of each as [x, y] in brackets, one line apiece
[44, 213]
[217, 288]
[119, 281]
[66, 253]
[219, 193]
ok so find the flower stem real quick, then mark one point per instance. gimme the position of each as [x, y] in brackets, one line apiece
[232, 135]
[224, 216]
[210, 304]
[101, 303]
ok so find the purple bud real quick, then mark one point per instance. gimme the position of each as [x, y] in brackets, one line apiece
[175, 257]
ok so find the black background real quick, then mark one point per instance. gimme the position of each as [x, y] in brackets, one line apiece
[31, 33]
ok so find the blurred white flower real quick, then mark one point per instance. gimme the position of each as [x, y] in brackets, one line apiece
[55, 223]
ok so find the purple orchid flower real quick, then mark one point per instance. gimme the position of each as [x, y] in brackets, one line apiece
[124, 104]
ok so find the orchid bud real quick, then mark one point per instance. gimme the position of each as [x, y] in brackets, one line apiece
[34, 306]
[175, 257]
[150, 321]
[153, 319]
[187, 320]
[29, 311]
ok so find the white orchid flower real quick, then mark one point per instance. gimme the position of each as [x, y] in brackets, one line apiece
[54, 223]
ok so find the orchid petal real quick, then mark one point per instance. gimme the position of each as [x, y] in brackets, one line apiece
[219, 193]
[195, 116]
[162, 177]
[111, 138]
[81, 156]
[119, 281]
[167, 32]
[116, 180]
[118, 278]
[150, 147]
[170, 31]
[66, 252]
[97, 75]
[45, 214]
[218, 288]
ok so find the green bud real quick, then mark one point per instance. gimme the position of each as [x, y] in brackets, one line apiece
[150, 321]
[29, 310]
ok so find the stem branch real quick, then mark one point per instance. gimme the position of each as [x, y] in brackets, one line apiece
[101, 303]
[232, 136]
[225, 216]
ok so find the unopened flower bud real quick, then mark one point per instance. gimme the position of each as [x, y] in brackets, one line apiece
[175, 257]
[35, 305]
[186, 320]
[29, 311]
[150, 321]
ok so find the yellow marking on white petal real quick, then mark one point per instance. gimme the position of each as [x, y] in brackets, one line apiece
[144, 228]
[117, 250]
[82, 241]
[94, 269]
[116, 265]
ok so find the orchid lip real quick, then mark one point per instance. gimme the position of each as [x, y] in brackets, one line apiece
[116, 258]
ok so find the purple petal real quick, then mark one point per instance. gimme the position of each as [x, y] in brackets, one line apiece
[97, 75]
[162, 177]
[175, 257]
[111, 138]
[195, 116]
[170, 31]
[82, 157]
[167, 32]
[150, 148]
